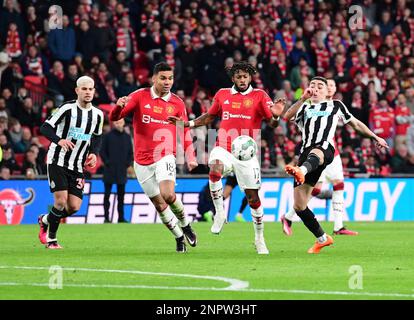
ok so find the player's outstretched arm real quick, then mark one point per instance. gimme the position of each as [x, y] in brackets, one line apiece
[363, 130]
[121, 109]
[291, 112]
[277, 109]
[202, 120]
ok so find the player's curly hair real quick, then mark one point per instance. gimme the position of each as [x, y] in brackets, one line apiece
[241, 66]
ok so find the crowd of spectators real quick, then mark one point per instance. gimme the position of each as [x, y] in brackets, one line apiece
[370, 56]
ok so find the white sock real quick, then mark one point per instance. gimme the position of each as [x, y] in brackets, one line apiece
[171, 222]
[322, 238]
[44, 219]
[338, 208]
[178, 209]
[257, 215]
[50, 239]
[291, 213]
[216, 190]
[304, 170]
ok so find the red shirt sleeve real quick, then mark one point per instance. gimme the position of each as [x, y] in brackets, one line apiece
[215, 108]
[119, 113]
[265, 104]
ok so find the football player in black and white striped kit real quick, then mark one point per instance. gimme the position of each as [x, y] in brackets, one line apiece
[318, 118]
[75, 131]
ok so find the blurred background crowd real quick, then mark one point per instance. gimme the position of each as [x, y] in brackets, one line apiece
[369, 55]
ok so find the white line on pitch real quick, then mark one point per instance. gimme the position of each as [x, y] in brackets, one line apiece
[312, 292]
[235, 284]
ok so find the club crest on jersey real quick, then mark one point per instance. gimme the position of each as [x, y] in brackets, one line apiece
[157, 109]
[247, 103]
[170, 109]
[236, 105]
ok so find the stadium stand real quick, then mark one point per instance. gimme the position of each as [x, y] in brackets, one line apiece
[118, 43]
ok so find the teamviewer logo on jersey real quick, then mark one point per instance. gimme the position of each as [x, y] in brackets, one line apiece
[146, 118]
[227, 115]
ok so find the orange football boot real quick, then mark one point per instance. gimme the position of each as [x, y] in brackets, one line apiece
[316, 248]
[296, 173]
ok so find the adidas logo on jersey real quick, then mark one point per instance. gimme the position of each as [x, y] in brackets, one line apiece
[147, 106]
[226, 102]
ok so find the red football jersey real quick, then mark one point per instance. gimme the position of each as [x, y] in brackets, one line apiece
[154, 136]
[241, 113]
[402, 114]
[382, 121]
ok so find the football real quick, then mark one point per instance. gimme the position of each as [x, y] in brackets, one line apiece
[244, 148]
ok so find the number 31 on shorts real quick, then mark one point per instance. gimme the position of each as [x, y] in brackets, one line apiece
[80, 183]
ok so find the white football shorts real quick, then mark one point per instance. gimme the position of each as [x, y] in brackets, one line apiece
[333, 171]
[150, 176]
[247, 172]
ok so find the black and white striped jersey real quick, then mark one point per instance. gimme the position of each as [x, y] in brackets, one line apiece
[318, 122]
[77, 124]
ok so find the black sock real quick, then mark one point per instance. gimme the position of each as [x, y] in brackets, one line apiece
[53, 218]
[243, 205]
[312, 162]
[310, 222]
[65, 214]
[325, 194]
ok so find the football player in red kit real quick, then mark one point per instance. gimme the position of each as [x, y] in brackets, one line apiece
[241, 109]
[155, 149]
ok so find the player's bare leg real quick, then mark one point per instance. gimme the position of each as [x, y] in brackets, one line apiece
[313, 161]
[227, 191]
[168, 194]
[170, 221]
[257, 215]
[73, 205]
[216, 190]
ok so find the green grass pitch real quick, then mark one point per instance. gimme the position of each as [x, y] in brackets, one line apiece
[139, 262]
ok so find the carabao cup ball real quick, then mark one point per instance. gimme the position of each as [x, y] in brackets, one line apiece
[244, 148]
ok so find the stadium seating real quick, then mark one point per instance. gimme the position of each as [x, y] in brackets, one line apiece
[44, 141]
[19, 157]
[36, 87]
